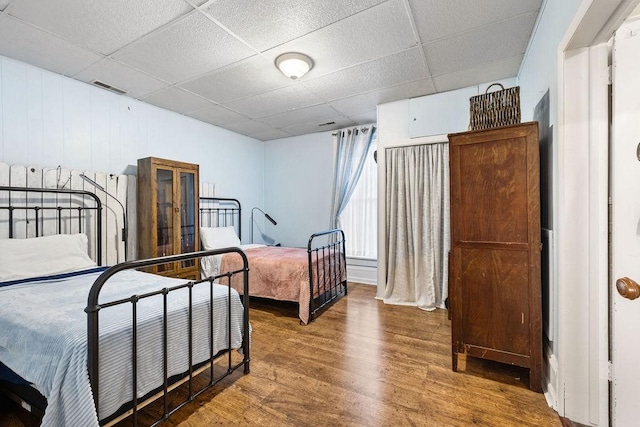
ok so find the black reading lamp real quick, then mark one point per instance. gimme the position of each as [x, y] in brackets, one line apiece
[124, 212]
[266, 215]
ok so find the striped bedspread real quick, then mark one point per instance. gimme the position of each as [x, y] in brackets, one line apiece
[43, 338]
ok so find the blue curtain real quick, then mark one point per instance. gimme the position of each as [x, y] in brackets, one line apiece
[351, 151]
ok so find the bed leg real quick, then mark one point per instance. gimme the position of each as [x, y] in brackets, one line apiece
[454, 359]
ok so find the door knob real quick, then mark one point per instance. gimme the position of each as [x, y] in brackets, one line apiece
[628, 288]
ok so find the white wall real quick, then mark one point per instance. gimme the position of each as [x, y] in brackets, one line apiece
[298, 184]
[47, 119]
[568, 389]
[539, 69]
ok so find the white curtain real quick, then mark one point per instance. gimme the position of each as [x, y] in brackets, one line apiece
[352, 146]
[417, 240]
[359, 219]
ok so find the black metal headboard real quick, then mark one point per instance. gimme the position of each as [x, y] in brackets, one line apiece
[221, 212]
[36, 212]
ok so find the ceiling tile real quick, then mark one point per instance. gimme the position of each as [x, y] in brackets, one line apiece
[490, 72]
[384, 72]
[304, 129]
[360, 103]
[248, 127]
[247, 77]
[505, 39]
[379, 31]
[135, 83]
[436, 19]
[187, 48]
[268, 135]
[370, 116]
[316, 114]
[177, 100]
[267, 24]
[277, 101]
[217, 115]
[26, 43]
[103, 26]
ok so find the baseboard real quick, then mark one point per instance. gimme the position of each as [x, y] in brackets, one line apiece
[550, 377]
[362, 274]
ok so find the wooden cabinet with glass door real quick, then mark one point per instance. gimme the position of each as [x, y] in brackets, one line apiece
[168, 214]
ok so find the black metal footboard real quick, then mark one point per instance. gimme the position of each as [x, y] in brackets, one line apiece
[95, 304]
[327, 269]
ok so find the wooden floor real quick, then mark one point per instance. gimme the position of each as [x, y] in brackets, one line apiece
[361, 363]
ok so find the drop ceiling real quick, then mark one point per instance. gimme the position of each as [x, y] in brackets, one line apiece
[214, 60]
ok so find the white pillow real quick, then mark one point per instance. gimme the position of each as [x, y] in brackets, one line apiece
[43, 256]
[218, 237]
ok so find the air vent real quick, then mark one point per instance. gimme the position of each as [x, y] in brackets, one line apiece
[108, 87]
[327, 124]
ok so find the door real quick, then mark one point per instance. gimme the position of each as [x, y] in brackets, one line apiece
[495, 247]
[188, 216]
[625, 198]
[165, 206]
[176, 201]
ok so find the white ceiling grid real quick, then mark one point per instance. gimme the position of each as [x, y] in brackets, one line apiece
[214, 60]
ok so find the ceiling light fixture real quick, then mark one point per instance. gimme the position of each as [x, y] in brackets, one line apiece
[294, 65]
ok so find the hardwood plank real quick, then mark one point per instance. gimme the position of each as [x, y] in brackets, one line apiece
[361, 363]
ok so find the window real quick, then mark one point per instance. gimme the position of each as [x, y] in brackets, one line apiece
[359, 220]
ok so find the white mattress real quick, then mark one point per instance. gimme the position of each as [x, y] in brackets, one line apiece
[43, 338]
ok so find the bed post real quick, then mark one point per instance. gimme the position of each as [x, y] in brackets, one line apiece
[246, 341]
[92, 350]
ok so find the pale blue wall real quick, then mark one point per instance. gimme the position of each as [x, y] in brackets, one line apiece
[445, 112]
[298, 170]
[298, 185]
[47, 119]
[539, 69]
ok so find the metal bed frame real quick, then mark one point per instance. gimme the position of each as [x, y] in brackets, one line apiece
[326, 250]
[332, 288]
[74, 205]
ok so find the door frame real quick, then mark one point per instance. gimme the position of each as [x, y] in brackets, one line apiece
[582, 382]
[583, 157]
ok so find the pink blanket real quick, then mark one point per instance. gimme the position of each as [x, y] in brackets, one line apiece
[282, 274]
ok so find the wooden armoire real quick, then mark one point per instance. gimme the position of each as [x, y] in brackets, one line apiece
[168, 215]
[494, 276]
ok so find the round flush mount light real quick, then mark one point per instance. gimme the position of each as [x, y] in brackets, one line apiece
[294, 65]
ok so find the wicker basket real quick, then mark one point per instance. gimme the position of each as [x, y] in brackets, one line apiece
[493, 109]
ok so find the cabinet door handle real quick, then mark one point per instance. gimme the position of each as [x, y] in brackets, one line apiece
[177, 209]
[628, 288]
